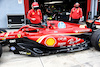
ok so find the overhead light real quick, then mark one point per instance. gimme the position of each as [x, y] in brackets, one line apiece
[53, 2]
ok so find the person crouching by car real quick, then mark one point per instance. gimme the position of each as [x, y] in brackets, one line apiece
[76, 14]
[35, 15]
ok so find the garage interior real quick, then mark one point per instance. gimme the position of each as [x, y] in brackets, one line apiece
[62, 5]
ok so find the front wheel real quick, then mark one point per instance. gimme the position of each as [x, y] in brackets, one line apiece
[2, 30]
[0, 50]
[95, 40]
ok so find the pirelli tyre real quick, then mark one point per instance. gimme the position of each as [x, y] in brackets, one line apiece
[0, 50]
[95, 40]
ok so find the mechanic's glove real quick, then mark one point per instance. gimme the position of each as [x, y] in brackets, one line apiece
[33, 19]
[70, 19]
[98, 17]
[41, 21]
[80, 20]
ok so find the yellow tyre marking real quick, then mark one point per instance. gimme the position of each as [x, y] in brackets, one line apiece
[99, 40]
[99, 44]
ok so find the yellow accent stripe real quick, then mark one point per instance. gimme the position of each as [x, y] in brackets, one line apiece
[38, 39]
[41, 38]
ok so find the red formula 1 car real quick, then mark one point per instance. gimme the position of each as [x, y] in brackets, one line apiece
[97, 22]
[56, 37]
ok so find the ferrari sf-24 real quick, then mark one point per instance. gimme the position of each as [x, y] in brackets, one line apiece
[56, 37]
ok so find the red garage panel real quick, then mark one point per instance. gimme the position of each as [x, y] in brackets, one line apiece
[26, 6]
[88, 7]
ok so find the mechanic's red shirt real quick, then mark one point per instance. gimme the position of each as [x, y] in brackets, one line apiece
[76, 13]
[35, 14]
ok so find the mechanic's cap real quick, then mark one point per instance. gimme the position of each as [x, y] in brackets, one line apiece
[35, 4]
[76, 3]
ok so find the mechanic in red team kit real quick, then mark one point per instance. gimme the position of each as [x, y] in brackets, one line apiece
[35, 15]
[76, 14]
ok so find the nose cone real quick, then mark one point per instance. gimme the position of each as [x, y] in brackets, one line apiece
[2, 36]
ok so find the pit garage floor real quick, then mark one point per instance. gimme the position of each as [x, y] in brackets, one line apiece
[87, 58]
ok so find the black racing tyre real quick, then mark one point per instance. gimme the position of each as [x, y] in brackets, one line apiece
[95, 40]
[0, 50]
[2, 30]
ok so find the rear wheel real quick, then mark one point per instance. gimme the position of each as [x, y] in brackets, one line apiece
[95, 40]
[0, 50]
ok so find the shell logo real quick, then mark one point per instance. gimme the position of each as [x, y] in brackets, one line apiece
[50, 42]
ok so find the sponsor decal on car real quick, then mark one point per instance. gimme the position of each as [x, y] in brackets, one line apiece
[62, 44]
[26, 53]
[33, 13]
[72, 41]
[10, 37]
[55, 31]
[82, 26]
[12, 41]
[61, 25]
[79, 31]
[62, 39]
[12, 48]
[51, 41]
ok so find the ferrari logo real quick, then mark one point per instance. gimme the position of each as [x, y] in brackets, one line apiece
[33, 13]
[99, 40]
[19, 35]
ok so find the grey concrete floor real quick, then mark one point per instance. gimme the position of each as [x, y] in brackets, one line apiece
[87, 58]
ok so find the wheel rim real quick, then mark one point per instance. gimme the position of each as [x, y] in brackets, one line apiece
[98, 41]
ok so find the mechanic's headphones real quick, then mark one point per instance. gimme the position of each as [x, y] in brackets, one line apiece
[75, 4]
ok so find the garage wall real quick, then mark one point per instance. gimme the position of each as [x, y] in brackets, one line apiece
[9, 7]
[94, 4]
